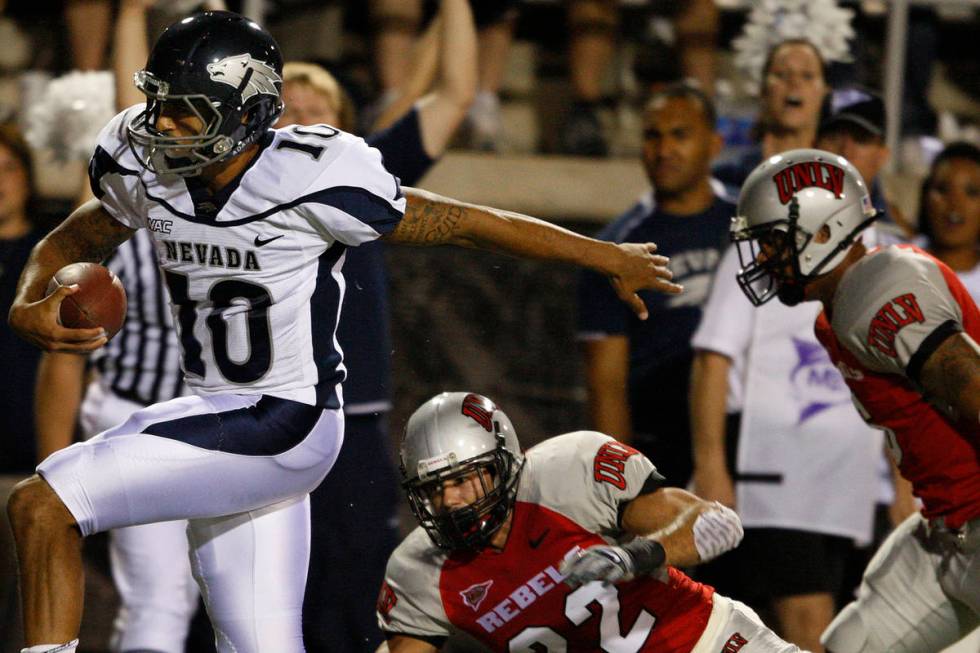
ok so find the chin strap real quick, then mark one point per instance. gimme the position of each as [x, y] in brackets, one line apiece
[844, 244]
[790, 294]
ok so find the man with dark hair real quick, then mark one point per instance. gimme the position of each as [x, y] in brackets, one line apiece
[637, 376]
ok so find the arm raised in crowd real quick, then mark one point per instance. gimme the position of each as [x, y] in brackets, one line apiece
[445, 56]
[130, 50]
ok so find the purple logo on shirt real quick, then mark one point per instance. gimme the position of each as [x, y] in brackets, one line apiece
[817, 384]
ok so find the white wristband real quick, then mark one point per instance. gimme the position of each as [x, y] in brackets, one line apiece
[716, 531]
[70, 647]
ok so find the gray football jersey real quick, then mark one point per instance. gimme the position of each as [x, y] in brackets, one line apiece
[574, 484]
[889, 303]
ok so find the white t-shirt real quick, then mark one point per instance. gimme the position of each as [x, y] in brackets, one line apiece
[806, 460]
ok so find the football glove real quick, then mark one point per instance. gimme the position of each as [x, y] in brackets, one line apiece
[612, 564]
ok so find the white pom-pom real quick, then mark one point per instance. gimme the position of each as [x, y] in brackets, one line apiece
[821, 22]
[70, 113]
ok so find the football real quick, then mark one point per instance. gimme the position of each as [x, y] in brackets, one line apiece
[99, 302]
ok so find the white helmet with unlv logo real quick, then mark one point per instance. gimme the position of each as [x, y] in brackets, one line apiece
[804, 209]
[449, 437]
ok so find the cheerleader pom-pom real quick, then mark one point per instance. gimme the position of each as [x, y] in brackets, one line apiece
[70, 113]
[821, 22]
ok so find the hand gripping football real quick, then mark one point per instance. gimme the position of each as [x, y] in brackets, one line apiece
[99, 302]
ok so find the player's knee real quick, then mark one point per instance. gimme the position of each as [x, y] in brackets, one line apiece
[847, 633]
[33, 507]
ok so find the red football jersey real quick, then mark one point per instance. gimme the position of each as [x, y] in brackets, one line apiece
[511, 599]
[890, 312]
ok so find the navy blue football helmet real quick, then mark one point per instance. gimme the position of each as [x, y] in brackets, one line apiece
[218, 66]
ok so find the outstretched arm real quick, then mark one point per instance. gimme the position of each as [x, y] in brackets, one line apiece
[950, 378]
[674, 527]
[434, 220]
[88, 234]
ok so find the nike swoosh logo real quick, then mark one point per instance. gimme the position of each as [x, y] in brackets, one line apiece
[259, 242]
[537, 542]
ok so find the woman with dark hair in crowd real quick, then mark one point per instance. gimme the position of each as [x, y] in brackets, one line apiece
[949, 212]
[18, 235]
[793, 95]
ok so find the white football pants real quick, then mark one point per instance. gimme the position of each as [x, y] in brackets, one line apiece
[150, 563]
[915, 597]
[734, 626]
[249, 514]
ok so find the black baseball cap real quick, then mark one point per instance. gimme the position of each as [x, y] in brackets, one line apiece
[856, 105]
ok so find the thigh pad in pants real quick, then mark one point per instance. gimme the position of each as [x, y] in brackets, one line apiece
[901, 607]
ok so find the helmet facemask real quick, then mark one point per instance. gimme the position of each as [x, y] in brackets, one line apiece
[471, 527]
[178, 155]
[221, 137]
[769, 257]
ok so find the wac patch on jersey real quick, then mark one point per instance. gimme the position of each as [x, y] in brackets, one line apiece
[811, 174]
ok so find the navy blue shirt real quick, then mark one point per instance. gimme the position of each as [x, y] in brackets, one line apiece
[660, 352]
[694, 244]
[364, 332]
[733, 171]
[18, 452]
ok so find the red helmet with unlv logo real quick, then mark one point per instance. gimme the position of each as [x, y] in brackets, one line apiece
[449, 437]
[804, 209]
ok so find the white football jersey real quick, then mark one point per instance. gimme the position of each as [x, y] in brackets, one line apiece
[254, 272]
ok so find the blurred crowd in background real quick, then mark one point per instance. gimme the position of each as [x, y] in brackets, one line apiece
[572, 78]
[554, 76]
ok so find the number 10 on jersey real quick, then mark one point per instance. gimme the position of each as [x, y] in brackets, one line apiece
[222, 296]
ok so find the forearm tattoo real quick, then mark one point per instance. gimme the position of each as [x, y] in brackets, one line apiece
[89, 237]
[955, 370]
[429, 222]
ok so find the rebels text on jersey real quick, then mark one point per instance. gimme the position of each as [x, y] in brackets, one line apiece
[891, 310]
[254, 271]
[570, 494]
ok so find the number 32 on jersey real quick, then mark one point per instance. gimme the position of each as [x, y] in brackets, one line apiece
[537, 639]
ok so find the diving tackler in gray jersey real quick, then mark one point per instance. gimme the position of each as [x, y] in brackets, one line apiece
[449, 437]
[804, 209]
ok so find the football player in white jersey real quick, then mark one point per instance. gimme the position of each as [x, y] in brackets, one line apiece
[250, 226]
